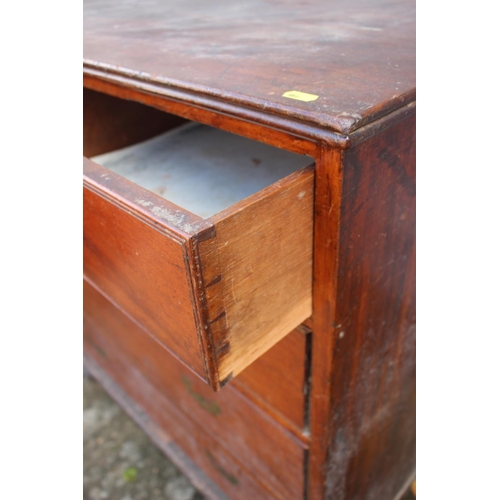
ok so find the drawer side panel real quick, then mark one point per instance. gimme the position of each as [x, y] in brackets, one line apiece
[265, 256]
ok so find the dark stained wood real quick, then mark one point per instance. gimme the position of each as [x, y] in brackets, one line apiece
[372, 330]
[357, 56]
[110, 123]
[383, 123]
[166, 442]
[226, 416]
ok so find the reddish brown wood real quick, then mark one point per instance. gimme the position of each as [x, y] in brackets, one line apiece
[110, 123]
[328, 192]
[166, 442]
[226, 416]
[140, 267]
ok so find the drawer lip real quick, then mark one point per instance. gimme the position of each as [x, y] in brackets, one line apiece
[207, 290]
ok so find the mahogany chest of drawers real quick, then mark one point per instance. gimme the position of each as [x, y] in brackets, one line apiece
[249, 239]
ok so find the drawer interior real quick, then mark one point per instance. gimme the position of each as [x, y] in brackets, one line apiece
[199, 168]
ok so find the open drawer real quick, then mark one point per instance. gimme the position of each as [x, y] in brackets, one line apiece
[216, 289]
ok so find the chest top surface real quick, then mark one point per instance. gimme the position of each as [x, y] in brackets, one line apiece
[357, 56]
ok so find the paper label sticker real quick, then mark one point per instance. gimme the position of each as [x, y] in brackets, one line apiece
[300, 96]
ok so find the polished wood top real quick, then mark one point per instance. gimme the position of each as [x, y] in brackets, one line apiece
[357, 56]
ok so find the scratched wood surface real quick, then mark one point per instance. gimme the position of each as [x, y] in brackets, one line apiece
[209, 467]
[357, 56]
[130, 260]
[279, 132]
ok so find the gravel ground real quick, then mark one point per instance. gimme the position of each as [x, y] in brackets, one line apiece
[119, 460]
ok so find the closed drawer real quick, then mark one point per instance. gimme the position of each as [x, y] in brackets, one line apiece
[217, 291]
[177, 435]
[151, 375]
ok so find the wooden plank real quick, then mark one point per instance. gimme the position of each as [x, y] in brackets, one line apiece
[282, 133]
[264, 257]
[151, 209]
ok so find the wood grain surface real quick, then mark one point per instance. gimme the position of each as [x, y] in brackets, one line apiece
[328, 196]
[170, 443]
[367, 326]
[227, 65]
[280, 132]
[265, 262]
[357, 56]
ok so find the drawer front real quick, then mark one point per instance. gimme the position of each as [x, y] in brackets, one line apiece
[142, 269]
[173, 430]
[260, 444]
[217, 293]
